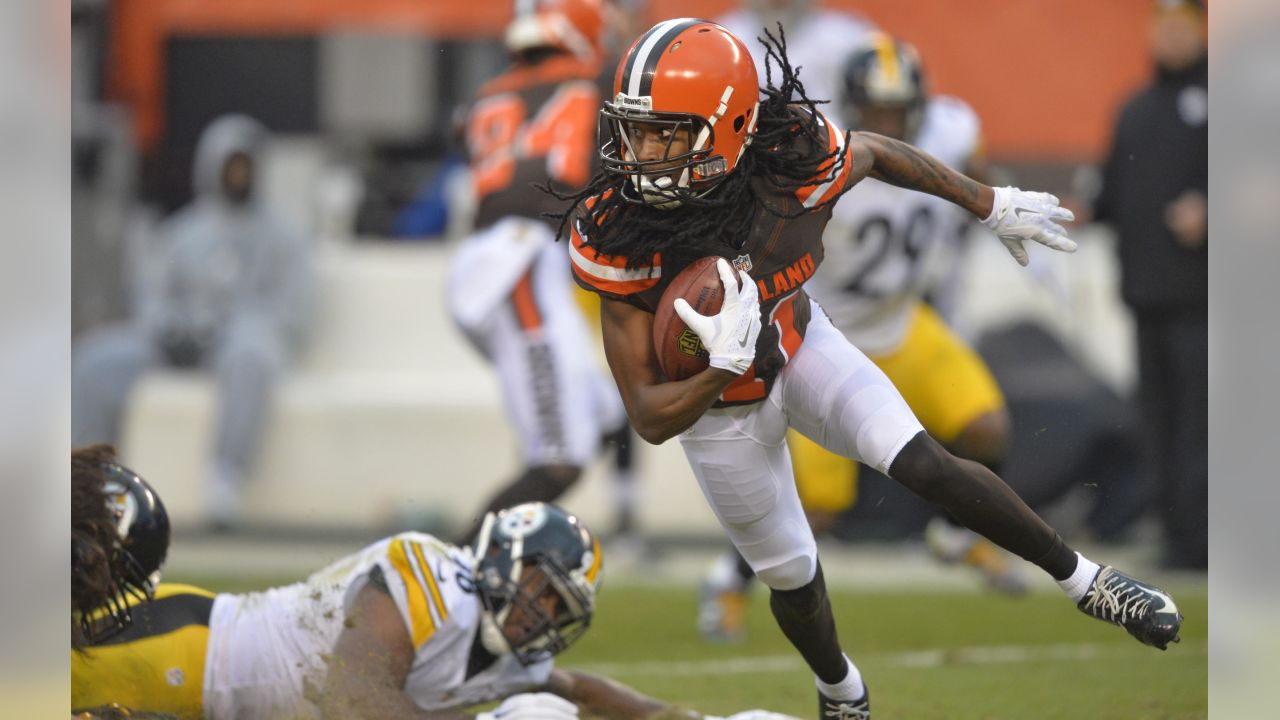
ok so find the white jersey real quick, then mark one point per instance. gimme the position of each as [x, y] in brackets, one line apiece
[267, 651]
[818, 43]
[882, 239]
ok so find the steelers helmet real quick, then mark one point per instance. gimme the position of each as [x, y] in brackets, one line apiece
[884, 73]
[685, 75]
[142, 526]
[523, 555]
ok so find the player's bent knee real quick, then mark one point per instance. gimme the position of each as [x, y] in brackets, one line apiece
[789, 574]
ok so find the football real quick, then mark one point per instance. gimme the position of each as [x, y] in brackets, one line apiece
[679, 350]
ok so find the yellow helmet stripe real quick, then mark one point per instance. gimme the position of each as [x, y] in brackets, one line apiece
[887, 54]
[596, 559]
[422, 626]
[430, 577]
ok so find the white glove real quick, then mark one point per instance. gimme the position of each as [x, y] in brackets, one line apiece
[532, 706]
[1017, 215]
[730, 335]
[759, 715]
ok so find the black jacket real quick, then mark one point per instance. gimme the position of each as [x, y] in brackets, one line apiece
[1160, 149]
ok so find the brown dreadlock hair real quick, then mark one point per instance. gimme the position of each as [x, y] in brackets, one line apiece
[94, 537]
[788, 149]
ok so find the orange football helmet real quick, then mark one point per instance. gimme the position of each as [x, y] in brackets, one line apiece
[689, 75]
[575, 26]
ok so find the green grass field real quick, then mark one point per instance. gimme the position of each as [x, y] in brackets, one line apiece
[926, 656]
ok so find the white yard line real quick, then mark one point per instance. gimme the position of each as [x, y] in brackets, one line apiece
[928, 658]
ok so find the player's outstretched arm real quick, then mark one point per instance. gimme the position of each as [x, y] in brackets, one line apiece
[369, 665]
[598, 696]
[1013, 215]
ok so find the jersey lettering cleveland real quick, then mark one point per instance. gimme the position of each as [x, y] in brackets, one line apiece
[532, 124]
[779, 253]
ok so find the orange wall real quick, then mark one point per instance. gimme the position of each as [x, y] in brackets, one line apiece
[1045, 75]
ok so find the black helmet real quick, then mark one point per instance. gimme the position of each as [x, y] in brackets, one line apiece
[142, 525]
[885, 72]
[565, 559]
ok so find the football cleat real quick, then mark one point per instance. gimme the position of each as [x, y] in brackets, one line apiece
[722, 614]
[829, 709]
[953, 544]
[1144, 611]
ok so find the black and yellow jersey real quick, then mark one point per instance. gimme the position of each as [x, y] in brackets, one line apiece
[157, 663]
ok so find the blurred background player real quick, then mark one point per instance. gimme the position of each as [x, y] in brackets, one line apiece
[1155, 186]
[409, 627]
[510, 291]
[818, 38]
[231, 294]
[878, 247]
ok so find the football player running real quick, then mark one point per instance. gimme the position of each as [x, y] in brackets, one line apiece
[699, 160]
[409, 627]
[509, 288]
[879, 247]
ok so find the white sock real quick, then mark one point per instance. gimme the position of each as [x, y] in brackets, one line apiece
[1078, 584]
[850, 688]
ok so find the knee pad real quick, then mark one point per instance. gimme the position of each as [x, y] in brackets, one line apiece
[786, 559]
[791, 573]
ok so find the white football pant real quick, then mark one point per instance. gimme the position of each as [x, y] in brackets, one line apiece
[510, 292]
[831, 393]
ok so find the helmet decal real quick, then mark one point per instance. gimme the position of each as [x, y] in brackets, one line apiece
[123, 506]
[522, 520]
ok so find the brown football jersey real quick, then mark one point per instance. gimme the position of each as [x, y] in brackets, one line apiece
[532, 124]
[779, 253]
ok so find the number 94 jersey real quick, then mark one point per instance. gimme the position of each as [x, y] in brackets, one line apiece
[884, 242]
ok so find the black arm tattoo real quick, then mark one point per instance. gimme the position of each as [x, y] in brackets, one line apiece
[898, 163]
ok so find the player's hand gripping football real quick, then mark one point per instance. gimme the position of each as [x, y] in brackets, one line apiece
[1017, 216]
[532, 706]
[730, 335]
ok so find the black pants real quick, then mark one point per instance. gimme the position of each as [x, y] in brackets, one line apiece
[1173, 398]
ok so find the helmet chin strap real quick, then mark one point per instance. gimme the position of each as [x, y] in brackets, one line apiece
[491, 636]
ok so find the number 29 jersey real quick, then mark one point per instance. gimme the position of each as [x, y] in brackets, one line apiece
[883, 242]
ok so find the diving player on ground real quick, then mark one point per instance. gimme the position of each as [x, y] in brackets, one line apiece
[409, 627]
[696, 163]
